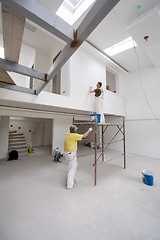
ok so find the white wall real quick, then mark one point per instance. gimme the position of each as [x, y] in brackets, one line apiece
[86, 71]
[142, 129]
[60, 126]
[4, 131]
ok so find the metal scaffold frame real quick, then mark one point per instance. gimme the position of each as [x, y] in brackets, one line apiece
[121, 129]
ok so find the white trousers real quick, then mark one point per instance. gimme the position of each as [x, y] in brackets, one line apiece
[72, 167]
[99, 107]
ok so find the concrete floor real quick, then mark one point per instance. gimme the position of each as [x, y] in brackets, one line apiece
[35, 205]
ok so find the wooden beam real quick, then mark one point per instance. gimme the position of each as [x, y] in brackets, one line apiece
[5, 77]
[13, 27]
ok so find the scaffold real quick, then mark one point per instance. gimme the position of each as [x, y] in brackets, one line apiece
[105, 126]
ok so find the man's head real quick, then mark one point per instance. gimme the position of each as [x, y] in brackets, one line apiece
[99, 85]
[73, 129]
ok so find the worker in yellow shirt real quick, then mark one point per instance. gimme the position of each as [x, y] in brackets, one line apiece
[70, 153]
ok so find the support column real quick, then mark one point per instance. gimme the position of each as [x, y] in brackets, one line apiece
[95, 179]
[4, 133]
[124, 145]
[102, 143]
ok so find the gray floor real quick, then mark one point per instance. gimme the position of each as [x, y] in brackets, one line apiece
[36, 205]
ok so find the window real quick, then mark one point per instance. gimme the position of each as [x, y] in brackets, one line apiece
[110, 81]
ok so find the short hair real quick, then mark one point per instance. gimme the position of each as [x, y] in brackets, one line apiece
[72, 129]
[100, 84]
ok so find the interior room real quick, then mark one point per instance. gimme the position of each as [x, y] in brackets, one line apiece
[53, 54]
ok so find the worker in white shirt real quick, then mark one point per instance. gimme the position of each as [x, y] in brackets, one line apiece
[98, 99]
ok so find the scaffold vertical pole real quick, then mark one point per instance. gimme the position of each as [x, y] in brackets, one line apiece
[95, 179]
[73, 119]
[124, 145]
[102, 144]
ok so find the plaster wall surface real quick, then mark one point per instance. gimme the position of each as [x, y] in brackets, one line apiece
[60, 127]
[142, 128]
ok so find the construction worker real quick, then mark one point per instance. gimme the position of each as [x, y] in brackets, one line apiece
[98, 100]
[70, 153]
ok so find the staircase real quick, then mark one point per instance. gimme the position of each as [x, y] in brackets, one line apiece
[17, 142]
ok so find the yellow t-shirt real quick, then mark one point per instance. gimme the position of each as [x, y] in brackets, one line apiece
[70, 141]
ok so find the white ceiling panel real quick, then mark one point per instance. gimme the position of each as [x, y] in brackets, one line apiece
[153, 52]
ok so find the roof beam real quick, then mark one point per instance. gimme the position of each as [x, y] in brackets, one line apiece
[13, 27]
[97, 13]
[43, 17]
[16, 88]
[14, 67]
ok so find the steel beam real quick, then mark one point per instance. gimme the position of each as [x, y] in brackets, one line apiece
[42, 17]
[14, 67]
[97, 13]
[124, 145]
[16, 88]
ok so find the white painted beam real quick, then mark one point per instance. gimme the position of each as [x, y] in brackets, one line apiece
[97, 13]
[13, 27]
[41, 16]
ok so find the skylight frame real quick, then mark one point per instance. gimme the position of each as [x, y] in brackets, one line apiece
[70, 14]
[122, 46]
[70, 6]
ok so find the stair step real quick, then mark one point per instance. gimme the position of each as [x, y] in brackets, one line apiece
[17, 148]
[17, 143]
[16, 139]
[15, 133]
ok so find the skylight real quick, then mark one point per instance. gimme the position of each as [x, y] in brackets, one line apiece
[72, 4]
[121, 46]
[71, 10]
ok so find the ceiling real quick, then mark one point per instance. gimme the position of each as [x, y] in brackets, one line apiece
[123, 21]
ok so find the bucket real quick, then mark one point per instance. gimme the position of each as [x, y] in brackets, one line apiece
[30, 150]
[147, 177]
[92, 116]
